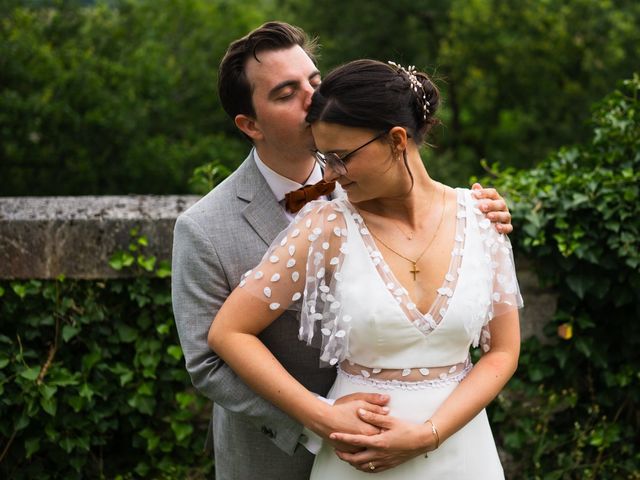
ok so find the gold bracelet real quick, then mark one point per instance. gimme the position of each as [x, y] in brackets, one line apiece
[434, 430]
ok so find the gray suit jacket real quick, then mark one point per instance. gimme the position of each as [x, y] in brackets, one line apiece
[215, 241]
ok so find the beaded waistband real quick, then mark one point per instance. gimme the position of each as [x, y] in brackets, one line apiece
[395, 384]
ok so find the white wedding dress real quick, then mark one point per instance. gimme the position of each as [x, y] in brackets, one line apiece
[327, 265]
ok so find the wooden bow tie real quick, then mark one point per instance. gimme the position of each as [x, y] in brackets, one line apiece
[297, 199]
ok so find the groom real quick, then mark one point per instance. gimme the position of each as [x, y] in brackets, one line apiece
[266, 81]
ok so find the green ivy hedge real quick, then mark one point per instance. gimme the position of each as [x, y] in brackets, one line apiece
[573, 410]
[92, 380]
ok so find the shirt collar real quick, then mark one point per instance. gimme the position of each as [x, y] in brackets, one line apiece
[280, 185]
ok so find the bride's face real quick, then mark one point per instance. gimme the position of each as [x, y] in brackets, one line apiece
[372, 169]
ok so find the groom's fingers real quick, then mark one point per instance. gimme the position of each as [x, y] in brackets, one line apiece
[481, 192]
[359, 440]
[375, 398]
[371, 407]
[382, 421]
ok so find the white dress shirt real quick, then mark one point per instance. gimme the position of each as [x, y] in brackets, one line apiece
[280, 185]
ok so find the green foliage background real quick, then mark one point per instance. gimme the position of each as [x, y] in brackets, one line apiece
[113, 399]
[119, 97]
[92, 379]
[572, 411]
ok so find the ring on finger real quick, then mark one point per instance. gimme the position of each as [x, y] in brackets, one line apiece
[371, 466]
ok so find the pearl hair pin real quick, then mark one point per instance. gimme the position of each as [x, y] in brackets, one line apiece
[415, 84]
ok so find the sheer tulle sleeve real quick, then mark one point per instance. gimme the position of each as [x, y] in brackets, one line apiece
[505, 292]
[302, 271]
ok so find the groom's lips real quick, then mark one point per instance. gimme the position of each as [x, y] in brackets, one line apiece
[346, 185]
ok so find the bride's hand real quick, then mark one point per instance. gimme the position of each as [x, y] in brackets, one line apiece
[397, 442]
[343, 416]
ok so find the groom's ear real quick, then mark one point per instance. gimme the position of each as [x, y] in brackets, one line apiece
[249, 126]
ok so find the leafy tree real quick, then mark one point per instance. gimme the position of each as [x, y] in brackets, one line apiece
[523, 74]
[114, 100]
[572, 410]
[518, 77]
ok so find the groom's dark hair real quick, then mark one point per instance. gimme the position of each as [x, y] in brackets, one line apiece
[233, 87]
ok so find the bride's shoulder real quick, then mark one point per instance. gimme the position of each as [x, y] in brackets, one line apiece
[324, 211]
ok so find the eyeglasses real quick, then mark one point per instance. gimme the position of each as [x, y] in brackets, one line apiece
[335, 162]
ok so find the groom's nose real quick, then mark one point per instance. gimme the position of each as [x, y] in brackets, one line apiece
[308, 91]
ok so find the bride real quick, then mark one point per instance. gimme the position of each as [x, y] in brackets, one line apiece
[394, 283]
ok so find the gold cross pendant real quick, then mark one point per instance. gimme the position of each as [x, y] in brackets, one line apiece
[415, 271]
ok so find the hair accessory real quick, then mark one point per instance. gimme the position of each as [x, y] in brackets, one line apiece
[410, 72]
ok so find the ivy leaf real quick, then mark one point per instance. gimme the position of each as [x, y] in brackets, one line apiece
[30, 373]
[31, 446]
[69, 331]
[163, 270]
[151, 437]
[181, 430]
[19, 289]
[148, 263]
[580, 284]
[48, 391]
[67, 444]
[142, 469]
[120, 260]
[22, 422]
[49, 405]
[86, 391]
[163, 329]
[142, 403]
[185, 399]
[126, 333]
[175, 351]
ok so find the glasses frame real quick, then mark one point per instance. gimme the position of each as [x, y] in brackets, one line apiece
[337, 163]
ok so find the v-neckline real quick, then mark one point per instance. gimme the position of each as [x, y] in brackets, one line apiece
[425, 322]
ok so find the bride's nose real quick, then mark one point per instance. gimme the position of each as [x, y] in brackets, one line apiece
[329, 174]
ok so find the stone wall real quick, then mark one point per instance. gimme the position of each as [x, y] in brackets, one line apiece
[43, 237]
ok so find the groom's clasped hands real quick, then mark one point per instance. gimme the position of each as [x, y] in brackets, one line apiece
[360, 429]
[358, 425]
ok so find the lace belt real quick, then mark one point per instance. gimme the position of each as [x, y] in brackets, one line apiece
[405, 379]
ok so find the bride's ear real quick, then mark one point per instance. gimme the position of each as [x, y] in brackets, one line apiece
[398, 137]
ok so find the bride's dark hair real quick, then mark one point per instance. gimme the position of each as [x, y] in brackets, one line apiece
[376, 96]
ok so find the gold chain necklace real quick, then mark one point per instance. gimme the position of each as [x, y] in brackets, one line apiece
[414, 270]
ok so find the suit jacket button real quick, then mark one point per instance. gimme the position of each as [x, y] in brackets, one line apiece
[268, 432]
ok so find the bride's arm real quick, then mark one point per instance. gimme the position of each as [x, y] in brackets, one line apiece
[401, 441]
[233, 336]
[486, 379]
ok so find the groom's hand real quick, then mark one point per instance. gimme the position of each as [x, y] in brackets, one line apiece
[344, 417]
[491, 203]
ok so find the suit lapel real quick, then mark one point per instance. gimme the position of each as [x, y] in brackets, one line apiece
[263, 212]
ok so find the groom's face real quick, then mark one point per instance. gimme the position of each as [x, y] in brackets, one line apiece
[282, 83]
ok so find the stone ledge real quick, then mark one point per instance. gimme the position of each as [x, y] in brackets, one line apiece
[43, 237]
